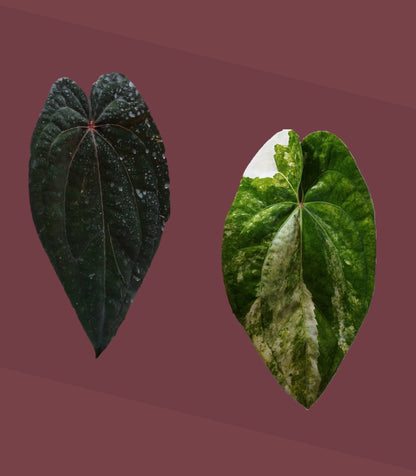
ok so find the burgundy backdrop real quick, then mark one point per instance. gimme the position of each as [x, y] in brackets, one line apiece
[181, 390]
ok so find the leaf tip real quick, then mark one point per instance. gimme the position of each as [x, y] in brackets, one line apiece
[98, 351]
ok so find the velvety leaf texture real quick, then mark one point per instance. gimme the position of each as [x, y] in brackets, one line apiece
[99, 194]
[298, 257]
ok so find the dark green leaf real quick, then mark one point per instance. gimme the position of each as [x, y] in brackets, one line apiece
[99, 194]
[299, 257]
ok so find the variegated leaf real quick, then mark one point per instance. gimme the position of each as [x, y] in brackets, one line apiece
[299, 257]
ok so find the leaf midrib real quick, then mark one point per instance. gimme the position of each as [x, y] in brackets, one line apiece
[103, 312]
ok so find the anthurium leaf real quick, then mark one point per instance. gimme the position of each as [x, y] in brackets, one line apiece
[298, 257]
[99, 194]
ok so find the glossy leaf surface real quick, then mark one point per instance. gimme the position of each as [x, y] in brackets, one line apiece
[298, 257]
[99, 194]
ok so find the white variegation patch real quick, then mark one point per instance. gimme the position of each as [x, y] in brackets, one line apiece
[339, 309]
[293, 314]
[263, 164]
[343, 300]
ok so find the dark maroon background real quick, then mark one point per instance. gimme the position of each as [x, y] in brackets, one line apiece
[181, 390]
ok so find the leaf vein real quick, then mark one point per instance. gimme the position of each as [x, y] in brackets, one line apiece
[64, 194]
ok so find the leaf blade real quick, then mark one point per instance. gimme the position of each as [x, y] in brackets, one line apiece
[98, 233]
[315, 285]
